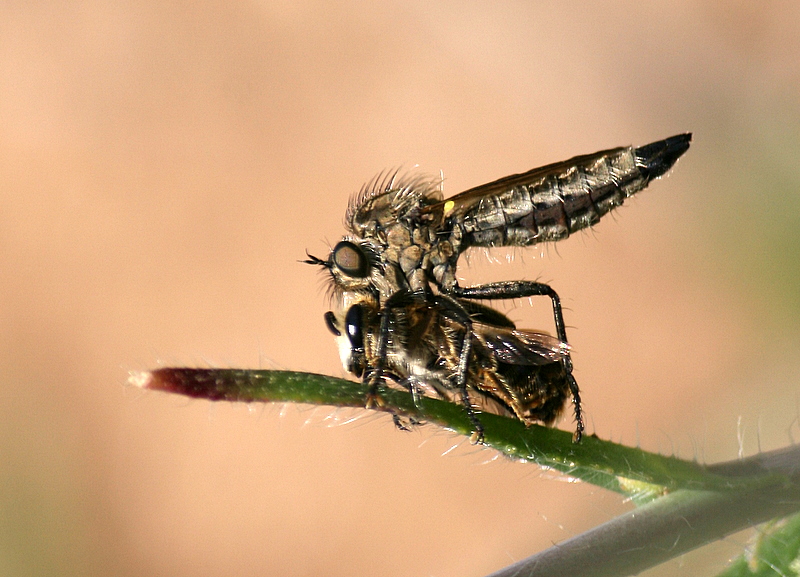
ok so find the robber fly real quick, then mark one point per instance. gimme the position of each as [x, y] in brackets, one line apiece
[511, 372]
[405, 239]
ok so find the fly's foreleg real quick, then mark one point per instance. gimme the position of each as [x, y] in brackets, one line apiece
[522, 289]
[373, 376]
[456, 311]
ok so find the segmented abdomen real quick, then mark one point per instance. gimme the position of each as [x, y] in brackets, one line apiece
[551, 203]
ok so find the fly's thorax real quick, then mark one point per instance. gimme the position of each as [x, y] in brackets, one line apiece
[441, 263]
[389, 199]
[419, 253]
[392, 214]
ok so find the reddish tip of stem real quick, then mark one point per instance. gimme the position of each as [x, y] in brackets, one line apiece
[199, 383]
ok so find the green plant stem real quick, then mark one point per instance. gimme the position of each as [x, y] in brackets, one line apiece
[700, 503]
[671, 525]
[622, 469]
[775, 551]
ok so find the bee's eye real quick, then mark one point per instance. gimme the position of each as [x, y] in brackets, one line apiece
[330, 321]
[353, 325]
[350, 259]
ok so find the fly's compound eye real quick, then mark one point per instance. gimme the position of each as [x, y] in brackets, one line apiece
[330, 322]
[353, 324]
[350, 259]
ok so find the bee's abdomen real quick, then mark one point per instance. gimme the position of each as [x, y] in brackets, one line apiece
[566, 197]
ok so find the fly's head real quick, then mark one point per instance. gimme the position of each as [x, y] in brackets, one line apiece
[353, 266]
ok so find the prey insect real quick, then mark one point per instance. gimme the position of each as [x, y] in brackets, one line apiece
[405, 239]
[511, 372]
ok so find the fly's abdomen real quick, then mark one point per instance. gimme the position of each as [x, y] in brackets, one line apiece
[552, 202]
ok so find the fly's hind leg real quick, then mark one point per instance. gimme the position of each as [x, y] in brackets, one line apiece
[576, 400]
[521, 289]
[406, 424]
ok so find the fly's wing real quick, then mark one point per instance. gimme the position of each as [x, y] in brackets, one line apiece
[520, 347]
[552, 202]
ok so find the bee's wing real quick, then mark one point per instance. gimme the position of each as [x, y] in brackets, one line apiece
[521, 347]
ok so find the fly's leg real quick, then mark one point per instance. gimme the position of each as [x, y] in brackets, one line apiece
[413, 385]
[373, 377]
[456, 311]
[405, 424]
[521, 289]
[576, 401]
[514, 290]
[408, 423]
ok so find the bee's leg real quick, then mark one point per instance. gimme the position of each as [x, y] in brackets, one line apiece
[457, 312]
[521, 289]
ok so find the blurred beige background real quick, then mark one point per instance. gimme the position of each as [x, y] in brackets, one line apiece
[163, 167]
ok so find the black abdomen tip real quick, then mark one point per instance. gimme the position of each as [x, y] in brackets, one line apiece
[657, 158]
